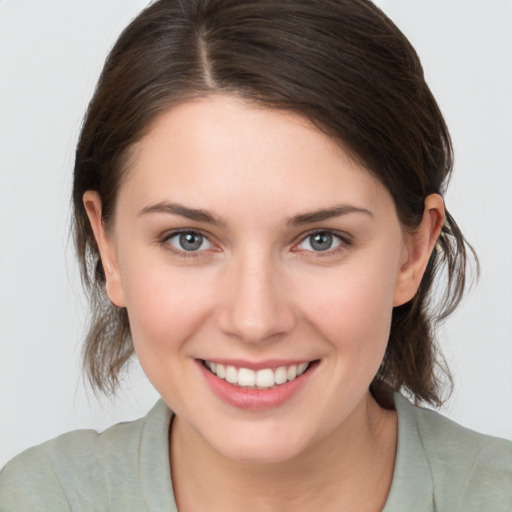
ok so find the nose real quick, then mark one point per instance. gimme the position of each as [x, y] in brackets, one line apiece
[255, 306]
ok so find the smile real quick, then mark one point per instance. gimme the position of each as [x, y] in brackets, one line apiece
[265, 378]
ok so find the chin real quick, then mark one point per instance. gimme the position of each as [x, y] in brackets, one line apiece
[260, 445]
[271, 453]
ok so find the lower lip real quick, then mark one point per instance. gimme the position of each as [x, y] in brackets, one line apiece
[256, 399]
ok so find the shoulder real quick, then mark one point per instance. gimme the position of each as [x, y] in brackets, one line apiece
[53, 474]
[469, 470]
[86, 470]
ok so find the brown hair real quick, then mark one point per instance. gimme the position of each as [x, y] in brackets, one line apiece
[342, 64]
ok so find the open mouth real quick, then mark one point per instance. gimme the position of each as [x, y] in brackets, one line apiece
[265, 378]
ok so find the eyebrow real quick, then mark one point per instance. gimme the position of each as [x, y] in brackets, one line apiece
[326, 213]
[298, 220]
[183, 211]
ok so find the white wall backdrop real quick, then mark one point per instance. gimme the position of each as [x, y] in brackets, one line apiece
[50, 56]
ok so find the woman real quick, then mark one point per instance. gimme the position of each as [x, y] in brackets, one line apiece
[259, 216]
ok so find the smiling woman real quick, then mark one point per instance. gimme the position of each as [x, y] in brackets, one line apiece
[270, 275]
[259, 216]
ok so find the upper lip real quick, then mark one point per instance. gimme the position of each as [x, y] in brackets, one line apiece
[258, 365]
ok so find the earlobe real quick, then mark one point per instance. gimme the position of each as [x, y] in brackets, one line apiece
[113, 284]
[419, 247]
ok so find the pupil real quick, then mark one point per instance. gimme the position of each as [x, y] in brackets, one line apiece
[321, 241]
[191, 241]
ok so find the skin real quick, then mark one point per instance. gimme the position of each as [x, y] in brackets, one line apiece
[258, 291]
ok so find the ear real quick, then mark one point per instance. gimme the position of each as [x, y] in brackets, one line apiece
[106, 246]
[419, 246]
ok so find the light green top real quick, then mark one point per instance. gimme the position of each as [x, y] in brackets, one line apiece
[440, 466]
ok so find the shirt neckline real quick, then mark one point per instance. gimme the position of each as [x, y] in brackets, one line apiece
[411, 464]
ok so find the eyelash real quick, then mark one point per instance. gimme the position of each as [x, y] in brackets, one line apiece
[165, 242]
[344, 240]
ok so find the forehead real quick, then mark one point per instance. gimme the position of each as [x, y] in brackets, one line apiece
[220, 151]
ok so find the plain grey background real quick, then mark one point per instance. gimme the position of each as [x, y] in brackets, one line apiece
[51, 54]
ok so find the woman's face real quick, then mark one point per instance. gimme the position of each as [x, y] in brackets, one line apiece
[245, 241]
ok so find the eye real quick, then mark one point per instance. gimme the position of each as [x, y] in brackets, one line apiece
[189, 241]
[321, 241]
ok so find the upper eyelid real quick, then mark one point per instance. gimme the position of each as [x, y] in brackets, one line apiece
[340, 234]
[173, 232]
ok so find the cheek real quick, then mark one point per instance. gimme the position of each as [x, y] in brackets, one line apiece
[352, 309]
[165, 306]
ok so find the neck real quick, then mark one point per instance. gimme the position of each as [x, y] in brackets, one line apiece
[350, 469]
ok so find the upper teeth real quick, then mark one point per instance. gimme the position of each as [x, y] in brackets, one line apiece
[265, 378]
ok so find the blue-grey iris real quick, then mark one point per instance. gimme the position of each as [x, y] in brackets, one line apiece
[321, 241]
[191, 241]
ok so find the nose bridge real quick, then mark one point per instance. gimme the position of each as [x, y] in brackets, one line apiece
[256, 307]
